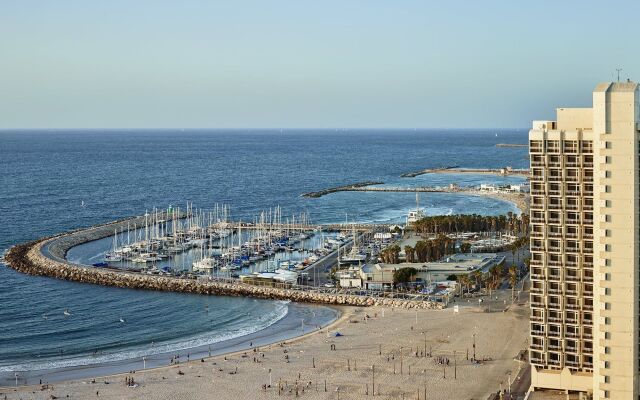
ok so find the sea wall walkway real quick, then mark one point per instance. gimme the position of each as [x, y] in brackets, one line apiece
[45, 257]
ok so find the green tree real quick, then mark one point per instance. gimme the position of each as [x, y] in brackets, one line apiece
[404, 275]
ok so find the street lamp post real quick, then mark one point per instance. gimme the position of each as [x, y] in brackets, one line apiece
[474, 346]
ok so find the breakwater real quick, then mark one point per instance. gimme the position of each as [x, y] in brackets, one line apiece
[426, 171]
[476, 171]
[29, 258]
[344, 188]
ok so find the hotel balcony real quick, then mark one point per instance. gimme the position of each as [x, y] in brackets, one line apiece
[538, 318]
[555, 363]
[537, 361]
[535, 346]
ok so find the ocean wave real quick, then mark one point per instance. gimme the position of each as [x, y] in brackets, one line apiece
[258, 323]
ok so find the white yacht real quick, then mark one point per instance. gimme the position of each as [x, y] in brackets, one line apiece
[417, 214]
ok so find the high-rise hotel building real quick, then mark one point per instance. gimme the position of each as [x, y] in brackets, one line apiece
[585, 247]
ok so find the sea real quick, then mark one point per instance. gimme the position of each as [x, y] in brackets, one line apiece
[57, 180]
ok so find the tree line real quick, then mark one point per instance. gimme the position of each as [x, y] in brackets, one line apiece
[444, 224]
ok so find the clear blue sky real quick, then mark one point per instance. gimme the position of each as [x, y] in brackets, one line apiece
[299, 63]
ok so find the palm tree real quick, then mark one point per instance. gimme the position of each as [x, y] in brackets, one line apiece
[513, 279]
[477, 275]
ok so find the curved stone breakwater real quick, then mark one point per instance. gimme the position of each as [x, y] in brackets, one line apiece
[29, 258]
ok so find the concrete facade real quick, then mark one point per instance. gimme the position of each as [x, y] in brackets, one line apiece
[585, 299]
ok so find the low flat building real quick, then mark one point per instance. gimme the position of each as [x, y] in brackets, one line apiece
[380, 276]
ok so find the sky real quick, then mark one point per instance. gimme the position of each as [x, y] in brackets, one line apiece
[307, 63]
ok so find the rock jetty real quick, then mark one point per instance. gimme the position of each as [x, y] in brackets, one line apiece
[344, 188]
[29, 258]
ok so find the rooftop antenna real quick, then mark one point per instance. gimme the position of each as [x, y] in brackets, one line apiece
[618, 70]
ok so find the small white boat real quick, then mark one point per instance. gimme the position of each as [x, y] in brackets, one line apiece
[207, 264]
[67, 313]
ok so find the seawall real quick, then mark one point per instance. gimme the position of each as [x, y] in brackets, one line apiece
[30, 259]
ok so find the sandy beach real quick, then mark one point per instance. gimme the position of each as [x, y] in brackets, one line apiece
[412, 353]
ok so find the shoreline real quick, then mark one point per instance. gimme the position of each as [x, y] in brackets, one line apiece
[288, 328]
[404, 346]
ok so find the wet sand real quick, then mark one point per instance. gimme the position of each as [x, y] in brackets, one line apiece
[290, 326]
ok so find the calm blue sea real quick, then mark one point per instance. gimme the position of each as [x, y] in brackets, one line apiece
[45, 176]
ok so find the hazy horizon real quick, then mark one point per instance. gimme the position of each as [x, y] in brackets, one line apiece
[310, 65]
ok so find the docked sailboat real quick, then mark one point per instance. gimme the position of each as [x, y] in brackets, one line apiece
[115, 255]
